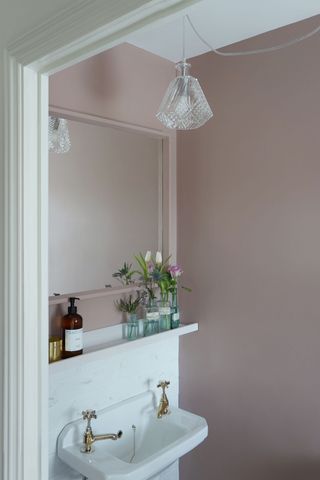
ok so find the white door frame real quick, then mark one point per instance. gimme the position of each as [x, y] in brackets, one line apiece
[78, 32]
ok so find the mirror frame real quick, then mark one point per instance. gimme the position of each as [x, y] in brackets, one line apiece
[168, 209]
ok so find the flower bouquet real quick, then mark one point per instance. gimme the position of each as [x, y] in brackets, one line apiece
[154, 277]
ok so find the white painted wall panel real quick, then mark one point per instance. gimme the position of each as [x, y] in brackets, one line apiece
[103, 383]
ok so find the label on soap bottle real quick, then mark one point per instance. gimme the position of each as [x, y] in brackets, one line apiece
[73, 340]
[176, 316]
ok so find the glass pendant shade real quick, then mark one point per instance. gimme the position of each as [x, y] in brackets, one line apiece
[59, 138]
[184, 106]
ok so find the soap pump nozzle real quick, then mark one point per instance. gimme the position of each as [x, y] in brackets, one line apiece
[72, 307]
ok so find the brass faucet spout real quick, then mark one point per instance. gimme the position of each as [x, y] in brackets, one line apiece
[89, 438]
[108, 436]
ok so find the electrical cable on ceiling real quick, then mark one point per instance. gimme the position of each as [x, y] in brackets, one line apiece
[252, 52]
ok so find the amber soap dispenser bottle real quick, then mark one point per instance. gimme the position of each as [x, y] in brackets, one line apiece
[72, 331]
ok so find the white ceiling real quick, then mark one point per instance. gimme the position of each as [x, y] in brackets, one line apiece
[221, 23]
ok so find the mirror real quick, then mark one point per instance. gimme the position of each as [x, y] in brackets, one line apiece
[105, 204]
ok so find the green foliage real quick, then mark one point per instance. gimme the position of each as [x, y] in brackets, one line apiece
[144, 267]
[128, 304]
[187, 289]
[125, 274]
[152, 274]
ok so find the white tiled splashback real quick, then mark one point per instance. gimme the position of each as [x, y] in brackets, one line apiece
[103, 382]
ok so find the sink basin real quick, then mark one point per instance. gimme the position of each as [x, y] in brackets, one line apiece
[148, 444]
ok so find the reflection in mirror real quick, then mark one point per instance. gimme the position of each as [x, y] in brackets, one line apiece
[105, 204]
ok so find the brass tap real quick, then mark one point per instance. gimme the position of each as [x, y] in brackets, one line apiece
[89, 438]
[163, 408]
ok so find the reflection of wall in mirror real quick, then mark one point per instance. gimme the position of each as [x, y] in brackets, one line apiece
[103, 205]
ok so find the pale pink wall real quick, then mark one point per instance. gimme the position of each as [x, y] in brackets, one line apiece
[249, 242]
[125, 84]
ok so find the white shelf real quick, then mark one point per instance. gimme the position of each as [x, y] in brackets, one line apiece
[101, 343]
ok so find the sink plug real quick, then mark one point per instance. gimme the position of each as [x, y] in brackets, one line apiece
[163, 408]
[89, 438]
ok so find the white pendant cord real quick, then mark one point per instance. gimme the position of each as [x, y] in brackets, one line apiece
[184, 38]
[253, 52]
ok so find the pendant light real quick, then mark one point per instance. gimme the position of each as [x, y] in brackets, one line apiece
[184, 105]
[59, 138]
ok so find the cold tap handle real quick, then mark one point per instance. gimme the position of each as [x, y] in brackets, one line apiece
[88, 414]
[163, 384]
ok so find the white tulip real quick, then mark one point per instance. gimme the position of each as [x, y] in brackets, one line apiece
[158, 258]
[147, 258]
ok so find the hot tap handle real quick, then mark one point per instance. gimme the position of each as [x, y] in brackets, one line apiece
[163, 384]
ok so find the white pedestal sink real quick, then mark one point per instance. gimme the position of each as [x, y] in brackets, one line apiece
[148, 444]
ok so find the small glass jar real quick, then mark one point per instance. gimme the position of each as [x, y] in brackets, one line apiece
[132, 330]
[132, 327]
[175, 313]
[151, 322]
[132, 317]
[165, 315]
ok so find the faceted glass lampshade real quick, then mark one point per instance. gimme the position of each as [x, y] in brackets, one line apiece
[184, 106]
[59, 138]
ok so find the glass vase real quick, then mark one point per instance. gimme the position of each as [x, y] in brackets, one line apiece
[132, 317]
[175, 313]
[165, 315]
[151, 322]
[132, 327]
[132, 330]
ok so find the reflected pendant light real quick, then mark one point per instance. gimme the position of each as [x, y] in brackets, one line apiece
[59, 138]
[184, 105]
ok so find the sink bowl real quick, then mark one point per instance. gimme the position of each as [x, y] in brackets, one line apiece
[148, 444]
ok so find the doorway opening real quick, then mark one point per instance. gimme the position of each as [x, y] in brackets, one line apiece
[74, 35]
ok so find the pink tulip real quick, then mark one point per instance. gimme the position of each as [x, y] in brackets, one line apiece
[175, 271]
